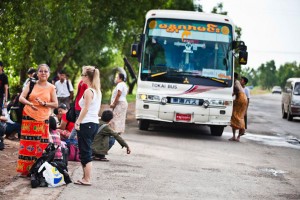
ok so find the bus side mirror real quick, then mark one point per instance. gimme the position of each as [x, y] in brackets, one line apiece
[243, 57]
[134, 50]
[241, 48]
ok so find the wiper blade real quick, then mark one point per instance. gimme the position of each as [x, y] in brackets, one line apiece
[158, 74]
[207, 77]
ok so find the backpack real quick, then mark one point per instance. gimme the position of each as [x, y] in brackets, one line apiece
[16, 109]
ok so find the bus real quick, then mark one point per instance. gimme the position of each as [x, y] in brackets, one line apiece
[186, 66]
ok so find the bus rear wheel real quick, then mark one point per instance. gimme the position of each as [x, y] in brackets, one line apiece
[216, 130]
[144, 124]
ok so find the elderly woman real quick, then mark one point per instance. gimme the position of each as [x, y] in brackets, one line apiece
[35, 119]
[119, 104]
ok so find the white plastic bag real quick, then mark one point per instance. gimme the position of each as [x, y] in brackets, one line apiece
[52, 176]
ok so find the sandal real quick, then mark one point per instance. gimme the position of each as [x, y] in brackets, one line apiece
[79, 182]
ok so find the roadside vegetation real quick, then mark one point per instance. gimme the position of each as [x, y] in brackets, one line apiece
[69, 34]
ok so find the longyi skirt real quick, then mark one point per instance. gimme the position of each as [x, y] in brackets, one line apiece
[34, 139]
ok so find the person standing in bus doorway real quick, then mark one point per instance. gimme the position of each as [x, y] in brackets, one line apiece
[244, 82]
[119, 104]
[3, 87]
[238, 110]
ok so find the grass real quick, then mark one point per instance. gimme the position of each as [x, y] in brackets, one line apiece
[258, 90]
[106, 98]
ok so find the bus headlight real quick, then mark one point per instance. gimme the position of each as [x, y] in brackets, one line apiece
[217, 102]
[164, 100]
[145, 97]
[206, 104]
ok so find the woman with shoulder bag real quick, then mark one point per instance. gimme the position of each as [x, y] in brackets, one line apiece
[35, 119]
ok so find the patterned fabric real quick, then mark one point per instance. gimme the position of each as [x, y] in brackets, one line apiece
[34, 139]
[118, 121]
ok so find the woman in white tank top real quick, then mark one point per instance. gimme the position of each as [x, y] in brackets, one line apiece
[87, 123]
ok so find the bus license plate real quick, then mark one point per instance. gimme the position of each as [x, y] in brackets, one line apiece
[185, 101]
[183, 117]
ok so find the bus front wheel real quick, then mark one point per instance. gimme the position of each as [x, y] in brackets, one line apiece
[216, 130]
[144, 124]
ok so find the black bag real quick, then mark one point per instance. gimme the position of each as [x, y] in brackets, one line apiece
[71, 114]
[2, 131]
[16, 108]
[37, 179]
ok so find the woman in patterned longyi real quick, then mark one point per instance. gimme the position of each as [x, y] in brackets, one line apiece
[35, 119]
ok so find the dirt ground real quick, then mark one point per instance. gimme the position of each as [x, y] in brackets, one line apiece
[9, 156]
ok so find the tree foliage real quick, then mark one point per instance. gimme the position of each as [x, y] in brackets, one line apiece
[69, 34]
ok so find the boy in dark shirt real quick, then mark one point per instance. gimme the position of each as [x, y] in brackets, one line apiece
[102, 141]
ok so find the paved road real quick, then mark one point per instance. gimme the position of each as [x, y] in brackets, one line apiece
[265, 117]
[177, 162]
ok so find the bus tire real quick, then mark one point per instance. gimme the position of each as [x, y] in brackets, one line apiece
[144, 124]
[216, 130]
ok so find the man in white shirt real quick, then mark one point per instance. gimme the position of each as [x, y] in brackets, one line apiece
[244, 82]
[64, 89]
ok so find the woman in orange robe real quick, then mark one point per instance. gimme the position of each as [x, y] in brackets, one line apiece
[35, 119]
[238, 110]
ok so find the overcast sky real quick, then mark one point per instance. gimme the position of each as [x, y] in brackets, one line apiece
[270, 29]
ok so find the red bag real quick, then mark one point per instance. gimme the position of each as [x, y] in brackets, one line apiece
[73, 153]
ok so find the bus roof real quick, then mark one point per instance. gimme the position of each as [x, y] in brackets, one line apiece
[189, 15]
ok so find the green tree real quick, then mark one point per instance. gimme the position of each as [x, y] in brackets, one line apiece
[70, 34]
[288, 70]
[267, 75]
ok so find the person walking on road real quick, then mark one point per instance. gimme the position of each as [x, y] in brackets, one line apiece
[119, 104]
[87, 123]
[238, 110]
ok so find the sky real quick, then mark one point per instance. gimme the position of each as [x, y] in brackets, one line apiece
[270, 29]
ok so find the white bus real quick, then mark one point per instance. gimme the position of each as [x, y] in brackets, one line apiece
[186, 69]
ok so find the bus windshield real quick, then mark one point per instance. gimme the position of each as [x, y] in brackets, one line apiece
[187, 52]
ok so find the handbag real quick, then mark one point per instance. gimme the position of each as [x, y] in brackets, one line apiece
[71, 114]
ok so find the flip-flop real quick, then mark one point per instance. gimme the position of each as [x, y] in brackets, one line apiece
[79, 182]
